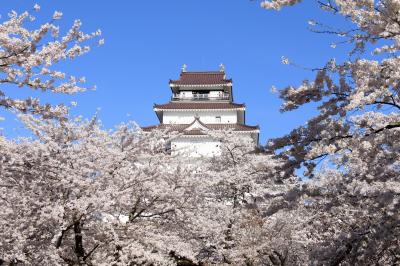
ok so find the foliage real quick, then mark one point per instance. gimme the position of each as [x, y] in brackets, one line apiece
[82, 195]
[357, 130]
[27, 59]
[78, 194]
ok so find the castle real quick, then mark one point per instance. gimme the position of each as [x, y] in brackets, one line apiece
[202, 102]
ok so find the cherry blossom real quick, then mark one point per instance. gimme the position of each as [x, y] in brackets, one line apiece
[350, 149]
[27, 60]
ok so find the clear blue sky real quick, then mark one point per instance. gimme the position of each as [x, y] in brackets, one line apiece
[147, 42]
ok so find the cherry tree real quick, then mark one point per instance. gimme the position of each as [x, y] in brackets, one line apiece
[82, 195]
[234, 218]
[357, 131]
[79, 194]
[28, 58]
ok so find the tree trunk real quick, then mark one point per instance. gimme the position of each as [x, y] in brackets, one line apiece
[79, 250]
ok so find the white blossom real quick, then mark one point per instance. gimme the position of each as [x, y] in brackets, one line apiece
[57, 15]
[28, 59]
[285, 60]
[350, 149]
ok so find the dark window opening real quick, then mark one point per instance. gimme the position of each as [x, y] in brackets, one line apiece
[201, 92]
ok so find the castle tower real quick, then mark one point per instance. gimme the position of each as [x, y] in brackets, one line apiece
[202, 102]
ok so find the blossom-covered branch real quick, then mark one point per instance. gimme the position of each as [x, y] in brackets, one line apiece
[28, 56]
[355, 191]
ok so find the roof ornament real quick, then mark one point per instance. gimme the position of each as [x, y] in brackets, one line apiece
[184, 68]
[221, 68]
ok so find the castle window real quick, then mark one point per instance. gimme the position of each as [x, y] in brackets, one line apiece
[217, 119]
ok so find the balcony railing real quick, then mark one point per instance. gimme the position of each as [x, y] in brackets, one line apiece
[199, 97]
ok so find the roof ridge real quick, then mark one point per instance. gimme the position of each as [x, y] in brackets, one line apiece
[203, 72]
[201, 105]
[201, 78]
[199, 102]
[209, 126]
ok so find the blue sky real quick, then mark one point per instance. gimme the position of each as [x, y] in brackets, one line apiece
[147, 42]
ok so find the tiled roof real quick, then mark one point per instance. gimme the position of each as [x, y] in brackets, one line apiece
[201, 78]
[171, 127]
[181, 127]
[194, 132]
[237, 127]
[197, 105]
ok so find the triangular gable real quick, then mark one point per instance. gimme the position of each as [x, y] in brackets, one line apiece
[197, 125]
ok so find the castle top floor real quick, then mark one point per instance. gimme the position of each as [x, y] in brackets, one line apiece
[202, 86]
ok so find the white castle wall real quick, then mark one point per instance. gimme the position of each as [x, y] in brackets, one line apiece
[203, 146]
[196, 147]
[207, 117]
